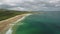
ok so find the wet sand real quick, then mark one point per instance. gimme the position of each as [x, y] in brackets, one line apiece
[6, 24]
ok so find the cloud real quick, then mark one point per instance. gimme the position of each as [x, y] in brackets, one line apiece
[50, 5]
[18, 8]
[1, 3]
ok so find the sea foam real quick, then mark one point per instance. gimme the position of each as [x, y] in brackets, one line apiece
[10, 29]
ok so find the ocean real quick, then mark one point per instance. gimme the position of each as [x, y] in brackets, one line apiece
[42, 23]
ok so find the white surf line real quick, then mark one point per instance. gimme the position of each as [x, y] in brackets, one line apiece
[10, 29]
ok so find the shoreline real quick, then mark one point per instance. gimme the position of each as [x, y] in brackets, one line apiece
[9, 31]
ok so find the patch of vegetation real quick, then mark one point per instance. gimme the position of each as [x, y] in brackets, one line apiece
[5, 14]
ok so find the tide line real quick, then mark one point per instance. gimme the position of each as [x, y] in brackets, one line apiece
[9, 31]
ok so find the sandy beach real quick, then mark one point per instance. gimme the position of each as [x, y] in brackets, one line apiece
[6, 25]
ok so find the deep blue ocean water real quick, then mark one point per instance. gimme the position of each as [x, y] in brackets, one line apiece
[44, 23]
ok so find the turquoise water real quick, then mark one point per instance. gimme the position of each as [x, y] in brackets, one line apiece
[45, 23]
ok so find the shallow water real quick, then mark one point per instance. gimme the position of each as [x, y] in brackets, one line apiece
[45, 23]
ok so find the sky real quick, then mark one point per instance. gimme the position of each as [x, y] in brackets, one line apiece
[31, 5]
